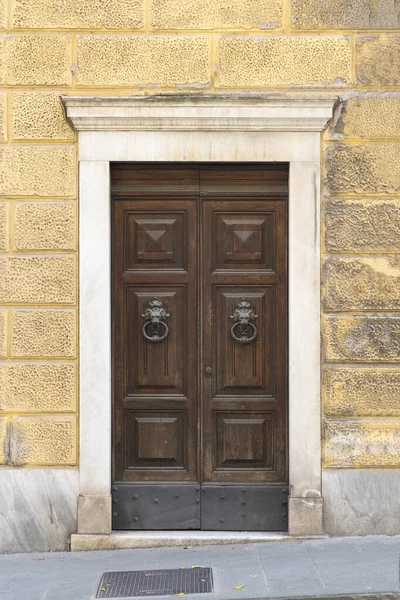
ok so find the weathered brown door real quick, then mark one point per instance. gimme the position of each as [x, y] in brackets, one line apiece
[199, 346]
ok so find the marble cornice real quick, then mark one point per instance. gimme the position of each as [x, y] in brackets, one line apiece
[186, 112]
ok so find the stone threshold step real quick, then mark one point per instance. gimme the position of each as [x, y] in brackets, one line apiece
[119, 540]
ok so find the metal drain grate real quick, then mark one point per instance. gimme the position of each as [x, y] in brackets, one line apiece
[125, 584]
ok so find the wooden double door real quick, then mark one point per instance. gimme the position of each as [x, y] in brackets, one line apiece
[199, 346]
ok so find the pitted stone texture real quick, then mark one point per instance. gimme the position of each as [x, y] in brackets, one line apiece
[346, 14]
[3, 333]
[3, 117]
[362, 392]
[159, 60]
[38, 116]
[45, 226]
[38, 171]
[43, 333]
[37, 387]
[363, 169]
[362, 225]
[38, 60]
[378, 59]
[216, 14]
[284, 60]
[4, 210]
[3, 440]
[3, 17]
[2, 62]
[369, 116]
[361, 444]
[75, 14]
[44, 440]
[362, 338]
[361, 284]
[37, 279]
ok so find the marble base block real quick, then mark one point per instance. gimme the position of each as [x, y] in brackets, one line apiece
[37, 509]
[94, 514]
[305, 516]
[361, 502]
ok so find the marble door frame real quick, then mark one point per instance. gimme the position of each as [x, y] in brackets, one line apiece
[200, 128]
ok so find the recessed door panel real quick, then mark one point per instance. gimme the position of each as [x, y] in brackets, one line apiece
[156, 439]
[155, 367]
[244, 440]
[156, 241]
[244, 367]
[246, 241]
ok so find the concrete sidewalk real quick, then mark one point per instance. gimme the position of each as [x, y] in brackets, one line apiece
[318, 568]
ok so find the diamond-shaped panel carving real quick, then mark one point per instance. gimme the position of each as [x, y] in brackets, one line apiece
[155, 241]
[248, 241]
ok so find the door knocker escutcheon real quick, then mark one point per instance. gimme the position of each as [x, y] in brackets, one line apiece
[243, 329]
[155, 328]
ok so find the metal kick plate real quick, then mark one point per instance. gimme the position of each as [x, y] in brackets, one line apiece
[244, 508]
[156, 506]
[125, 584]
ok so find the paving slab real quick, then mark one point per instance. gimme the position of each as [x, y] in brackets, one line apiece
[323, 569]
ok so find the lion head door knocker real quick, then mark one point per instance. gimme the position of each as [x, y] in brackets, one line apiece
[155, 328]
[243, 329]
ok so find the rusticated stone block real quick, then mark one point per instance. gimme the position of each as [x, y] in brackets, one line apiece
[38, 116]
[374, 116]
[37, 279]
[38, 60]
[216, 14]
[361, 283]
[43, 333]
[160, 60]
[3, 117]
[378, 59]
[361, 392]
[38, 171]
[3, 333]
[37, 387]
[75, 14]
[362, 338]
[4, 209]
[361, 444]
[247, 61]
[363, 169]
[347, 14]
[44, 440]
[362, 225]
[3, 436]
[3, 14]
[45, 226]
[2, 62]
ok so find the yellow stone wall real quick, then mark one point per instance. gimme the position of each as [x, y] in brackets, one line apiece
[75, 47]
